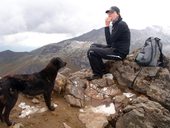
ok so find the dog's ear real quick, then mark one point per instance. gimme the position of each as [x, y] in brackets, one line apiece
[58, 62]
[55, 60]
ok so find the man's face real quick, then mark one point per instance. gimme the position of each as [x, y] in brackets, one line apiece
[113, 15]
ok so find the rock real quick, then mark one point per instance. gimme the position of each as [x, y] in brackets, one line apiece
[124, 74]
[110, 82]
[151, 71]
[76, 85]
[96, 117]
[80, 74]
[152, 81]
[99, 83]
[18, 125]
[66, 71]
[66, 126]
[93, 120]
[83, 91]
[164, 75]
[76, 89]
[133, 108]
[157, 87]
[78, 82]
[110, 91]
[120, 102]
[60, 83]
[73, 101]
[108, 76]
[93, 92]
[35, 101]
[144, 113]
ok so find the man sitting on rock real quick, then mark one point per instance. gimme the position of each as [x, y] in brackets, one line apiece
[118, 43]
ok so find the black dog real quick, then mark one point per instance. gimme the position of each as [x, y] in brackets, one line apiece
[31, 84]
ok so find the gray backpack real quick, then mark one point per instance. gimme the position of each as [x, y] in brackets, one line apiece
[151, 53]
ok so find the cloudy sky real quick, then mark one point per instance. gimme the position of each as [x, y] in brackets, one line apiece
[29, 24]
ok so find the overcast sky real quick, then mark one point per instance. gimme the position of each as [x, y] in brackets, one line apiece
[29, 24]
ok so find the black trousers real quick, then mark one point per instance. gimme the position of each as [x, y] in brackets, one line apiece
[97, 53]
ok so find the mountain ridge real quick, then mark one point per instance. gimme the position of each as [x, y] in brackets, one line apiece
[72, 50]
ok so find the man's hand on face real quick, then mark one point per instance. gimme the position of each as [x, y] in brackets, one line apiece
[107, 21]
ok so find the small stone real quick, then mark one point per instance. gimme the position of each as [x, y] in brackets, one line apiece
[66, 126]
[18, 125]
[46, 119]
[35, 101]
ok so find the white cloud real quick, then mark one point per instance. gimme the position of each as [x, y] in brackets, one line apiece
[72, 17]
[33, 39]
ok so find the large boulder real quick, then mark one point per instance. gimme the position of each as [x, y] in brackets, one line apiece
[152, 81]
[143, 113]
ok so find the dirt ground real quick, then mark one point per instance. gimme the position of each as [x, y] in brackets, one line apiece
[63, 113]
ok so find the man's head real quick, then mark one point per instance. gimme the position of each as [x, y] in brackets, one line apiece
[113, 12]
[113, 9]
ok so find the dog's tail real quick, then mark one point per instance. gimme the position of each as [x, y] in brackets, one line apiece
[0, 88]
[2, 96]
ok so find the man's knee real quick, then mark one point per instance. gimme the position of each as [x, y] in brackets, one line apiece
[90, 52]
[92, 45]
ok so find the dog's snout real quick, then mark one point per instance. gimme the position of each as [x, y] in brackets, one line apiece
[63, 64]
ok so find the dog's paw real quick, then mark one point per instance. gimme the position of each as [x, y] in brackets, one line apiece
[51, 108]
[10, 123]
[1, 119]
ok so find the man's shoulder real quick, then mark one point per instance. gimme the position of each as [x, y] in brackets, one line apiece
[123, 24]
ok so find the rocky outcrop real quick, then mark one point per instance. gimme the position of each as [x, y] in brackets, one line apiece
[143, 113]
[154, 82]
[110, 103]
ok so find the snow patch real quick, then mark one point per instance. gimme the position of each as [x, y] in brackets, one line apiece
[102, 109]
[106, 110]
[28, 110]
[128, 95]
[108, 75]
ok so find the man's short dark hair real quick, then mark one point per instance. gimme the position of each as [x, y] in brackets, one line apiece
[113, 9]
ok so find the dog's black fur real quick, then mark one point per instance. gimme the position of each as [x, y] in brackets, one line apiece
[30, 84]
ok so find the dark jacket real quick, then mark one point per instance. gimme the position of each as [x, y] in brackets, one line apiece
[119, 38]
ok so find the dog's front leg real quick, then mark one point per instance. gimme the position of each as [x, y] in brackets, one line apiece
[1, 110]
[10, 104]
[6, 115]
[47, 98]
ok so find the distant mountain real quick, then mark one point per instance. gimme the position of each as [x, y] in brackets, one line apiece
[8, 56]
[139, 36]
[73, 51]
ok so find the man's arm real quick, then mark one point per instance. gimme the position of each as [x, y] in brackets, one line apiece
[107, 30]
[117, 32]
[107, 36]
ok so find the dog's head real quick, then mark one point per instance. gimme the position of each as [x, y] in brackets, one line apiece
[58, 62]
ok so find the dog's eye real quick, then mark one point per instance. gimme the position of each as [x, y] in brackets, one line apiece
[56, 62]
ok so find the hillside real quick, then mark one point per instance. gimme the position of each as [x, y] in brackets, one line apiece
[101, 103]
[73, 51]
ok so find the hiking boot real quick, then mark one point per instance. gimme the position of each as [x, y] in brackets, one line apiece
[93, 77]
[106, 72]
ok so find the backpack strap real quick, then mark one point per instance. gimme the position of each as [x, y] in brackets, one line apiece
[161, 54]
[132, 84]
